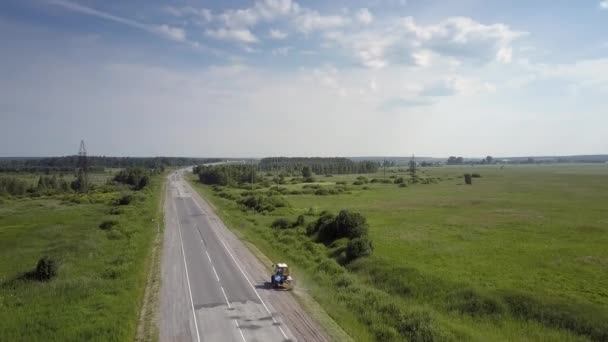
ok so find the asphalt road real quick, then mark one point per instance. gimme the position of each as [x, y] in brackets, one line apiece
[213, 289]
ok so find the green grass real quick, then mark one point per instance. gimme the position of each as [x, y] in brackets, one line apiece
[519, 255]
[98, 291]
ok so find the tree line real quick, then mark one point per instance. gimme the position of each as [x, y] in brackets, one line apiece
[320, 166]
[226, 174]
[95, 163]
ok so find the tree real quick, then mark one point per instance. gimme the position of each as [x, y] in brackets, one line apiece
[306, 173]
[489, 159]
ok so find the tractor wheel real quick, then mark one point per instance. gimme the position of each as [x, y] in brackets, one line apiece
[272, 281]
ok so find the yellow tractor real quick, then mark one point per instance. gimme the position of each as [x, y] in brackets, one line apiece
[280, 278]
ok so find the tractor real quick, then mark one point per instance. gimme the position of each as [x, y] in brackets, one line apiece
[280, 279]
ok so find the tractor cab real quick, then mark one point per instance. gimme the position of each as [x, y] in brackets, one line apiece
[280, 278]
[281, 269]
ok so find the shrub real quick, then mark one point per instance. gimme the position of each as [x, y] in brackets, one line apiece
[46, 269]
[322, 192]
[582, 319]
[300, 221]
[399, 180]
[474, 303]
[341, 183]
[116, 211]
[125, 199]
[108, 224]
[262, 203]
[358, 247]
[281, 223]
[321, 224]
[403, 185]
[468, 179]
[358, 182]
[346, 224]
[476, 175]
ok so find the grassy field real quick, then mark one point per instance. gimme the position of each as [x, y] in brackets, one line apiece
[98, 290]
[519, 255]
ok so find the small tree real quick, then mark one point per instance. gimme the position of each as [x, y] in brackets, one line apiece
[468, 179]
[306, 173]
[46, 269]
[358, 247]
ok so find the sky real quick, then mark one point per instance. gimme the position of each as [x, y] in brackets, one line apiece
[307, 78]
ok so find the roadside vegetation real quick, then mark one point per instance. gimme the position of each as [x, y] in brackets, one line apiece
[73, 263]
[507, 253]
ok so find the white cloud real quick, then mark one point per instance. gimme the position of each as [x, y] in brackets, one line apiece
[465, 37]
[203, 13]
[277, 34]
[238, 35]
[308, 21]
[604, 4]
[282, 51]
[173, 33]
[364, 16]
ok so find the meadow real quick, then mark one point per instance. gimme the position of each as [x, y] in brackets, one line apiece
[518, 255]
[100, 240]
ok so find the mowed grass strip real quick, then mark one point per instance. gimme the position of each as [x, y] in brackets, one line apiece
[97, 293]
[520, 254]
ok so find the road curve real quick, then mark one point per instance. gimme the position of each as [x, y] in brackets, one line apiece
[213, 288]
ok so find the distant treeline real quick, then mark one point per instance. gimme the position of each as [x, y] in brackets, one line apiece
[226, 174]
[95, 163]
[320, 166]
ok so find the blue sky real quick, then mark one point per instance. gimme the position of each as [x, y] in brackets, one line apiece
[314, 78]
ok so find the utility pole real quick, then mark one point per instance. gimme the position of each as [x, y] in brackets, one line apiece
[83, 165]
[252, 173]
[384, 163]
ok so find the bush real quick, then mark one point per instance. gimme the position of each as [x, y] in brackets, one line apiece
[581, 319]
[476, 175]
[341, 183]
[46, 269]
[468, 179]
[358, 182]
[399, 180]
[322, 192]
[262, 203]
[108, 224]
[358, 247]
[403, 185]
[125, 199]
[281, 223]
[345, 225]
[300, 221]
[474, 303]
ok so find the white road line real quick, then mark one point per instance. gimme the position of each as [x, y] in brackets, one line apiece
[181, 241]
[241, 331]
[225, 297]
[216, 276]
[208, 257]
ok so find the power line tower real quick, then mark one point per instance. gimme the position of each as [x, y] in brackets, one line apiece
[413, 167]
[83, 167]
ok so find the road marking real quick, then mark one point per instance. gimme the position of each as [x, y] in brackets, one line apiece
[208, 257]
[181, 241]
[225, 297]
[216, 276]
[241, 331]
